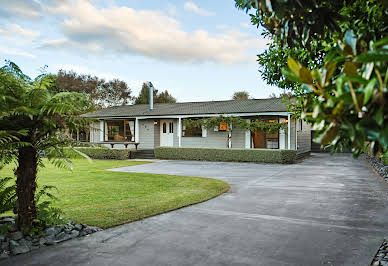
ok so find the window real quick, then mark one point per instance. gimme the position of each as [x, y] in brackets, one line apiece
[119, 130]
[171, 127]
[164, 127]
[191, 131]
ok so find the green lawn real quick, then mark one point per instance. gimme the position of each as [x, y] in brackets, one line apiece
[101, 198]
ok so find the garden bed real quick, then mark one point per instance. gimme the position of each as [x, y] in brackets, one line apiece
[13, 242]
[378, 165]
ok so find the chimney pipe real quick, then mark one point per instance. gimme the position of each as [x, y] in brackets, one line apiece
[151, 95]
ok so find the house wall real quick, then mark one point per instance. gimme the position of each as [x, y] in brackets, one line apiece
[304, 137]
[149, 136]
[216, 139]
[95, 132]
[146, 134]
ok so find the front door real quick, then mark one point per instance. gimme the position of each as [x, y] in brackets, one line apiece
[167, 132]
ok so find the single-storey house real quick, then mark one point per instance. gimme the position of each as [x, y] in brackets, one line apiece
[149, 126]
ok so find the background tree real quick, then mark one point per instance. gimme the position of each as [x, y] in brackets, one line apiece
[100, 92]
[306, 30]
[32, 122]
[144, 96]
[344, 96]
[240, 95]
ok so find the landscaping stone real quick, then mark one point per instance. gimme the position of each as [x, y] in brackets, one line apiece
[5, 244]
[17, 235]
[378, 165]
[381, 258]
[62, 236]
[74, 234]
[14, 242]
[19, 247]
[78, 227]
[3, 255]
[49, 240]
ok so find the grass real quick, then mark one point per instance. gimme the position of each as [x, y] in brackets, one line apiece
[102, 198]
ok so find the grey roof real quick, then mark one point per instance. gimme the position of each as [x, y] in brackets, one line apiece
[194, 108]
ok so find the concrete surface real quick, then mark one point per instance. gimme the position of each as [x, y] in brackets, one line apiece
[326, 210]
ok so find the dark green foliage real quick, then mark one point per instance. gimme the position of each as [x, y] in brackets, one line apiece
[159, 97]
[34, 120]
[240, 95]
[227, 155]
[346, 100]
[105, 153]
[7, 194]
[345, 43]
[100, 92]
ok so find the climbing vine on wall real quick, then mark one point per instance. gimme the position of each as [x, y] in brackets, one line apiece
[236, 122]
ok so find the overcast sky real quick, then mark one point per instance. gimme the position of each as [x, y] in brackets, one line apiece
[199, 50]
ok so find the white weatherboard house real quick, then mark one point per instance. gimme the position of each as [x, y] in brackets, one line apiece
[148, 126]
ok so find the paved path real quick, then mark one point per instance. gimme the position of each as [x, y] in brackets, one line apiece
[327, 210]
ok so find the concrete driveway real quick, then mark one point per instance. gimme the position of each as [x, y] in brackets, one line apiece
[326, 210]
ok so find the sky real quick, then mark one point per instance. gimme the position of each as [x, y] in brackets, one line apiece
[198, 50]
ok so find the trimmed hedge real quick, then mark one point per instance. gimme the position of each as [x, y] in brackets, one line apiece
[105, 153]
[226, 155]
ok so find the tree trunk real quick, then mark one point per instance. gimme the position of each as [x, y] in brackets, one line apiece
[25, 188]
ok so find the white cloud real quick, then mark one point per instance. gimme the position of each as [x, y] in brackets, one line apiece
[171, 9]
[190, 6]
[144, 32]
[245, 25]
[20, 8]
[17, 31]
[15, 51]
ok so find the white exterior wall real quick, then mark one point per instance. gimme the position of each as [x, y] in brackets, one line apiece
[149, 136]
[304, 137]
[146, 134]
[216, 139]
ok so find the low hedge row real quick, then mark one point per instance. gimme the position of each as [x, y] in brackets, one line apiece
[105, 153]
[227, 155]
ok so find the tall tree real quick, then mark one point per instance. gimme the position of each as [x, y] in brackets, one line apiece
[32, 122]
[100, 92]
[144, 96]
[240, 95]
[344, 97]
[305, 30]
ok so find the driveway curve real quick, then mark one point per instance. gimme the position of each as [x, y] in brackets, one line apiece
[326, 210]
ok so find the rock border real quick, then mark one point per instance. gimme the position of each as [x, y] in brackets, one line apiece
[13, 242]
[381, 258]
[378, 165]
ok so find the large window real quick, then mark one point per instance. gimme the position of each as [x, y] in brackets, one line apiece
[119, 130]
[191, 131]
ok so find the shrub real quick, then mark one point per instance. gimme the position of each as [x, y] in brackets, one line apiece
[105, 153]
[228, 155]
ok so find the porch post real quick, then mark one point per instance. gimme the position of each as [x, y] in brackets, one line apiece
[102, 130]
[179, 131]
[137, 137]
[289, 132]
[296, 135]
[247, 138]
